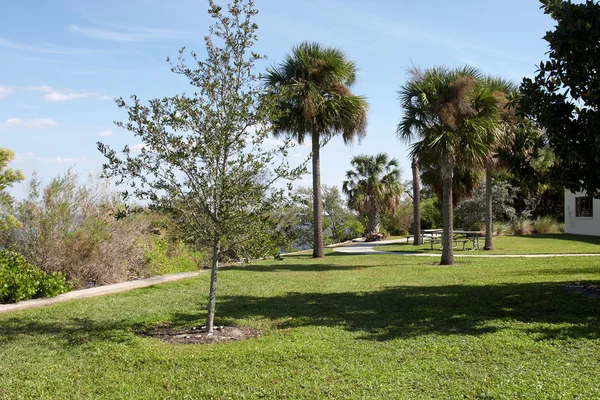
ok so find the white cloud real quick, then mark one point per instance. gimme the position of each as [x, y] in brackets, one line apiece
[65, 96]
[43, 88]
[22, 157]
[13, 121]
[39, 123]
[136, 148]
[106, 133]
[5, 91]
[30, 123]
[48, 49]
[126, 33]
[67, 160]
[53, 94]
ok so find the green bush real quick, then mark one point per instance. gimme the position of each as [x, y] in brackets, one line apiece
[500, 228]
[170, 258]
[20, 280]
[543, 225]
[520, 226]
[431, 213]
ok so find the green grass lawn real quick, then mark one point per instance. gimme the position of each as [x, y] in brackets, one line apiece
[529, 244]
[355, 327]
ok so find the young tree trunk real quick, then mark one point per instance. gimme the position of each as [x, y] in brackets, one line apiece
[448, 216]
[318, 251]
[488, 209]
[416, 203]
[212, 296]
[373, 217]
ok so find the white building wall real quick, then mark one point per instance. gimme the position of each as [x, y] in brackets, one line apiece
[581, 225]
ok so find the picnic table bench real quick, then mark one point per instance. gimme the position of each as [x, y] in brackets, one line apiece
[434, 236]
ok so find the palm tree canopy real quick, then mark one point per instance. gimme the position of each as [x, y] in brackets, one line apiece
[449, 113]
[374, 181]
[464, 181]
[506, 118]
[313, 93]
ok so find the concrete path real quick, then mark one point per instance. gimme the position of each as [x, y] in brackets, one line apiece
[369, 248]
[97, 291]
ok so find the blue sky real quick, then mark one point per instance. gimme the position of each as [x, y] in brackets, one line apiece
[63, 61]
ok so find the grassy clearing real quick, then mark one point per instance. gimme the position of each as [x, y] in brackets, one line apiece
[529, 244]
[378, 326]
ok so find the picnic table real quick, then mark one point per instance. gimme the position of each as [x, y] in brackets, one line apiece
[458, 236]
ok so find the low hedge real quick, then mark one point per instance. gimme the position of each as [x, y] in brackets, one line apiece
[20, 280]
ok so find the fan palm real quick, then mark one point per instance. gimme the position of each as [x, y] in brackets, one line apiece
[447, 114]
[498, 138]
[313, 97]
[373, 187]
[416, 186]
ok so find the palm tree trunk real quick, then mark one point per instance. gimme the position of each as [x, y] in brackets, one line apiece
[373, 217]
[447, 215]
[318, 251]
[212, 296]
[488, 209]
[416, 203]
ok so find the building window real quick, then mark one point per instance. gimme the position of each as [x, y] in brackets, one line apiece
[584, 207]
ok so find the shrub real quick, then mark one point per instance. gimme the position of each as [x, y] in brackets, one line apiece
[166, 257]
[543, 225]
[431, 213]
[470, 213]
[70, 227]
[20, 280]
[520, 226]
[500, 228]
[399, 222]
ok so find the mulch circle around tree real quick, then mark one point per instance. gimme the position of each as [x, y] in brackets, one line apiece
[198, 335]
[588, 289]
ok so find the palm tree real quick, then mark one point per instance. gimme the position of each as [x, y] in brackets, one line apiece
[311, 88]
[373, 187]
[416, 186]
[448, 115]
[498, 138]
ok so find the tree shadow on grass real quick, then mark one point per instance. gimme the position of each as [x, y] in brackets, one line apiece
[566, 237]
[545, 310]
[332, 262]
[541, 310]
[74, 331]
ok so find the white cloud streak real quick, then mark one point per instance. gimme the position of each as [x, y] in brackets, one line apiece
[39, 123]
[48, 49]
[106, 133]
[43, 88]
[126, 33]
[5, 91]
[30, 123]
[14, 121]
[65, 96]
[136, 148]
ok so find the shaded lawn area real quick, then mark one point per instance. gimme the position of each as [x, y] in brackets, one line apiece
[348, 326]
[560, 243]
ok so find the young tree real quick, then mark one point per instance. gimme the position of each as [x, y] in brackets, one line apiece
[314, 84]
[202, 155]
[373, 187]
[564, 96]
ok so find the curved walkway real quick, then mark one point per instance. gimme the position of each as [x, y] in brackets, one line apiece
[369, 248]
